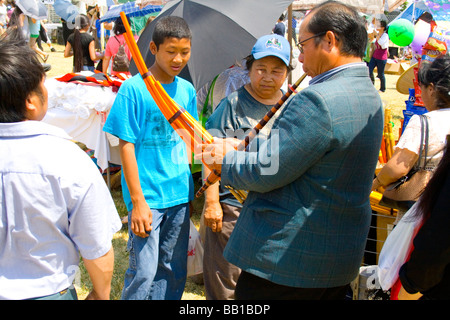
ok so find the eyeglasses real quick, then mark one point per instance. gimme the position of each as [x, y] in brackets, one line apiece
[300, 44]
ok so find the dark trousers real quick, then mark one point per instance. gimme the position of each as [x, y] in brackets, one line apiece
[219, 275]
[251, 287]
[380, 65]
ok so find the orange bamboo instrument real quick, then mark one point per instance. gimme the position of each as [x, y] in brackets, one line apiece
[181, 121]
[383, 150]
[214, 176]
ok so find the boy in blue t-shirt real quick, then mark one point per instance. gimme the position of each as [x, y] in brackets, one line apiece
[157, 182]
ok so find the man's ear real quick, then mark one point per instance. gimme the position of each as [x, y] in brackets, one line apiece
[32, 106]
[153, 48]
[331, 40]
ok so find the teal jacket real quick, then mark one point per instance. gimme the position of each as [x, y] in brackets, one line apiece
[306, 219]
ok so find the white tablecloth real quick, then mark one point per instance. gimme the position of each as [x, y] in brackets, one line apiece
[80, 110]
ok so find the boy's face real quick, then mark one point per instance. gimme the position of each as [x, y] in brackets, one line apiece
[172, 56]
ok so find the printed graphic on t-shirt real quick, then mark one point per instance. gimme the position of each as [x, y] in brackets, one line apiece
[158, 133]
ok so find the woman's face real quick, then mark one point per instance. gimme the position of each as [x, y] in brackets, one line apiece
[267, 75]
[428, 96]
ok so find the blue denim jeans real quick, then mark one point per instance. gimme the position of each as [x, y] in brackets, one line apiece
[380, 65]
[158, 263]
[86, 68]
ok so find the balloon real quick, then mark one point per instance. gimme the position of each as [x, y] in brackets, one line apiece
[422, 30]
[401, 32]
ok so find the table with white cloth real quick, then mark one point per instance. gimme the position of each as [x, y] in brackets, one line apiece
[81, 110]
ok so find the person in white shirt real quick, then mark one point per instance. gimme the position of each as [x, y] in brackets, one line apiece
[54, 203]
[434, 82]
[380, 55]
[3, 17]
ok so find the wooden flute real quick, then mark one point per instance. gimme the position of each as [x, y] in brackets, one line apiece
[214, 176]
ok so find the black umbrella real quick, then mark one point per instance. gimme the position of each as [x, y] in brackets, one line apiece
[223, 32]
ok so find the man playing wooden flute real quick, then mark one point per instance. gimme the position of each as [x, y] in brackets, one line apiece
[302, 230]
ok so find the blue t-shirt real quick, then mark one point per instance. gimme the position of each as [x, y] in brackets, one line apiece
[164, 172]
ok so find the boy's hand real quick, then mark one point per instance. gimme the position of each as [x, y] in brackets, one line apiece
[141, 219]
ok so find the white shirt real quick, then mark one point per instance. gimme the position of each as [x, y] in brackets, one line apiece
[54, 205]
[384, 41]
[439, 128]
[3, 15]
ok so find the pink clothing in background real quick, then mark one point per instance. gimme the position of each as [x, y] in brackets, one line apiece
[112, 46]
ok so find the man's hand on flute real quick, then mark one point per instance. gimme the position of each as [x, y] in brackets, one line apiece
[213, 153]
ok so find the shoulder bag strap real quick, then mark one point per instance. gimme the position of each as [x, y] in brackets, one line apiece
[423, 142]
[425, 121]
[422, 138]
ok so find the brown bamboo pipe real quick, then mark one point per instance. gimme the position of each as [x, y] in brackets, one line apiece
[214, 176]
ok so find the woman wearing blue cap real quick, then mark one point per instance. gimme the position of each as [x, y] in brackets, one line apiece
[268, 66]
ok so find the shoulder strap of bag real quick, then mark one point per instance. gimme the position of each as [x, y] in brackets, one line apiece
[115, 37]
[423, 141]
[425, 122]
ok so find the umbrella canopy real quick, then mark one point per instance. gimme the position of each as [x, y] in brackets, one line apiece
[223, 32]
[439, 9]
[65, 9]
[413, 12]
[131, 9]
[33, 8]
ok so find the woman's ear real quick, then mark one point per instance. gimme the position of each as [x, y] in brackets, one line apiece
[431, 88]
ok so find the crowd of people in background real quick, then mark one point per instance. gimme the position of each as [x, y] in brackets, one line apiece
[302, 230]
[81, 38]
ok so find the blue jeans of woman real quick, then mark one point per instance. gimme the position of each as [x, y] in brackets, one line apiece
[86, 68]
[157, 264]
[380, 64]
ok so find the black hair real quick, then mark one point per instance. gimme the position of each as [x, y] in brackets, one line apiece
[81, 22]
[438, 74]
[426, 16]
[170, 27]
[434, 187]
[14, 19]
[119, 28]
[345, 22]
[20, 75]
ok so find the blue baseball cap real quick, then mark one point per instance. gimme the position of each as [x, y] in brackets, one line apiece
[272, 45]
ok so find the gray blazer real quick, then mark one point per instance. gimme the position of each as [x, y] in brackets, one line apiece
[307, 216]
